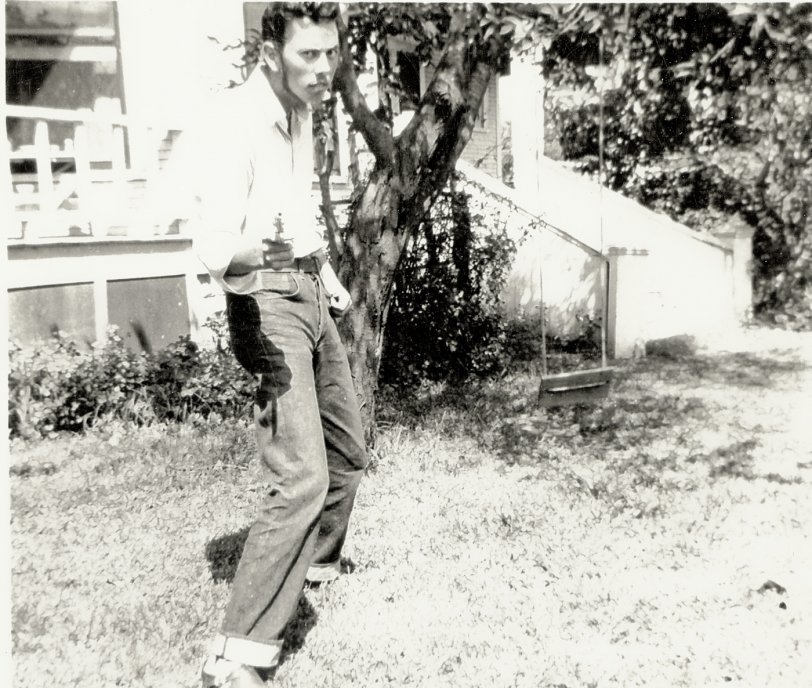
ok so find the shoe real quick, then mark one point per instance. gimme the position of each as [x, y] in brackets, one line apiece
[223, 673]
[323, 573]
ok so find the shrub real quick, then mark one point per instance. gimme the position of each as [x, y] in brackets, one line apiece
[445, 320]
[55, 385]
[34, 392]
[107, 381]
[185, 379]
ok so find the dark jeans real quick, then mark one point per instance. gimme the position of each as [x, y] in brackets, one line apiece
[310, 441]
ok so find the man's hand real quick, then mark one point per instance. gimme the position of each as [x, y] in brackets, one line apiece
[276, 254]
[340, 301]
[339, 298]
[269, 254]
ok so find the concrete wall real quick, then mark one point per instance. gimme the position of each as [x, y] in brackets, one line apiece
[573, 284]
[664, 278]
[684, 280]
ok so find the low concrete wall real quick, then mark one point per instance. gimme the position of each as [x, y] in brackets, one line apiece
[571, 283]
[665, 279]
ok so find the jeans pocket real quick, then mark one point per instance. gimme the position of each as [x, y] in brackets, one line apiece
[279, 285]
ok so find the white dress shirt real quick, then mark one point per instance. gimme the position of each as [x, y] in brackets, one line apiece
[252, 170]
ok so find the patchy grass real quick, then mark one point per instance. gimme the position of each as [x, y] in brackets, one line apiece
[662, 538]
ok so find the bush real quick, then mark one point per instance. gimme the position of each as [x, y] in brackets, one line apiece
[107, 381]
[185, 379]
[56, 385]
[445, 320]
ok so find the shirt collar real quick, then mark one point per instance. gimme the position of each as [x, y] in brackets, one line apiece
[269, 103]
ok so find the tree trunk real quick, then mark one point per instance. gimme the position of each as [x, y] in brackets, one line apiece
[368, 262]
[409, 174]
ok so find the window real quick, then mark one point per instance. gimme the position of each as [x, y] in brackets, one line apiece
[413, 80]
[60, 55]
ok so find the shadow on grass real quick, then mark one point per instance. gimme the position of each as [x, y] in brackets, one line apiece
[643, 435]
[31, 469]
[740, 369]
[479, 406]
[617, 423]
[298, 627]
[223, 554]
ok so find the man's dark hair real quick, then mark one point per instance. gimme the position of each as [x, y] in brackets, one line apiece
[277, 15]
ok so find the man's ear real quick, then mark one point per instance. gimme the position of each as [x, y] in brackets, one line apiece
[271, 56]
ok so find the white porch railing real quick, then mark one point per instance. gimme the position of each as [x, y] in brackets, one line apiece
[93, 184]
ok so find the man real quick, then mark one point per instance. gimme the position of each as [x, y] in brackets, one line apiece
[257, 237]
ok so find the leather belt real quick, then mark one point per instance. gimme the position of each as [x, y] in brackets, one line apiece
[307, 264]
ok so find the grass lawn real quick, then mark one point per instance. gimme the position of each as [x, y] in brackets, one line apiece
[662, 539]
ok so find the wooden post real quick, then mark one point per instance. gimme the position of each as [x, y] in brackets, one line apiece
[45, 177]
[84, 182]
[14, 223]
[629, 307]
[120, 211]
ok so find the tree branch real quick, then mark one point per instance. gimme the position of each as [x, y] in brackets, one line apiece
[440, 130]
[440, 163]
[329, 216]
[378, 138]
[443, 94]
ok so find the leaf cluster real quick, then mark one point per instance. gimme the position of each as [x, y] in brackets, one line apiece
[57, 385]
[445, 320]
[727, 88]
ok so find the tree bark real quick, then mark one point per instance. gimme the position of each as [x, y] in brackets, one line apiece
[370, 257]
[408, 175]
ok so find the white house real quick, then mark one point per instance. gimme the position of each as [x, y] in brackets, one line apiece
[98, 95]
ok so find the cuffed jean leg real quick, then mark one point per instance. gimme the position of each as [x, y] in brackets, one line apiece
[276, 337]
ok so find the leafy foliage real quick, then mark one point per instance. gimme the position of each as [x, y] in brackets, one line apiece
[57, 386]
[707, 106]
[185, 379]
[445, 321]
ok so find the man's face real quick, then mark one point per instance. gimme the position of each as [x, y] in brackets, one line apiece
[308, 60]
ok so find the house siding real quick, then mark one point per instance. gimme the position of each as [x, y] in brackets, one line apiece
[149, 313]
[483, 149]
[39, 312]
